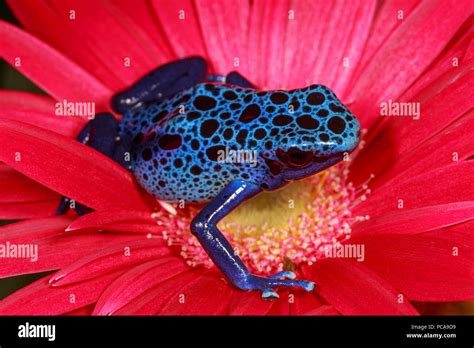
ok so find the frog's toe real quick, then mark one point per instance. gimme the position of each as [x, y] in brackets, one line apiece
[269, 294]
[283, 274]
[267, 284]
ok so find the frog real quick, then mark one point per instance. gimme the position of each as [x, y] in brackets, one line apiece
[180, 124]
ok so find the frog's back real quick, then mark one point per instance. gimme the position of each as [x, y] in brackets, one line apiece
[180, 146]
[192, 145]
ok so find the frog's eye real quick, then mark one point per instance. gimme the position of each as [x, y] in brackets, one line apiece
[295, 158]
[299, 159]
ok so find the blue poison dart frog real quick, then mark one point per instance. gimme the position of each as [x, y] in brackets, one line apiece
[177, 123]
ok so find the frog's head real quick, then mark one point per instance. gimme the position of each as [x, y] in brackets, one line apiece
[321, 132]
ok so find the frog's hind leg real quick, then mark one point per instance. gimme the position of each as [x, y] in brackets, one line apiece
[204, 227]
[161, 83]
[101, 134]
[234, 78]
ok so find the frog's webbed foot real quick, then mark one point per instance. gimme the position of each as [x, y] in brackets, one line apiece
[266, 284]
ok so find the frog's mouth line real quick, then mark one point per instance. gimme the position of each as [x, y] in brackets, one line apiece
[316, 165]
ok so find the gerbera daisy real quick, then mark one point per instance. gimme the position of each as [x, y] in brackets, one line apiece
[402, 206]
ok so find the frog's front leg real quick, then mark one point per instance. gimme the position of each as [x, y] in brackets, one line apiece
[220, 251]
[161, 83]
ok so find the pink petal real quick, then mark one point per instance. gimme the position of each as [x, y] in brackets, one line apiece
[37, 110]
[39, 298]
[353, 289]
[196, 297]
[151, 301]
[410, 49]
[68, 167]
[267, 27]
[422, 268]
[116, 256]
[415, 221]
[385, 22]
[136, 281]
[442, 71]
[224, 28]
[49, 69]
[180, 24]
[414, 193]
[355, 37]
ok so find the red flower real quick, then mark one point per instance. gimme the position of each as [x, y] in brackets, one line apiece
[406, 197]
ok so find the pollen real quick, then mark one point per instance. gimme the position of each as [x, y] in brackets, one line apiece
[284, 229]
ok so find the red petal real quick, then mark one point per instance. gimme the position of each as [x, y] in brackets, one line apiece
[431, 188]
[60, 250]
[15, 187]
[414, 221]
[323, 310]
[303, 302]
[27, 210]
[181, 26]
[422, 158]
[136, 281]
[423, 268]
[116, 256]
[224, 28]
[436, 113]
[68, 167]
[282, 306]
[37, 110]
[55, 28]
[115, 35]
[39, 298]
[34, 229]
[195, 299]
[354, 289]
[49, 69]
[86, 310]
[248, 303]
[151, 301]
[117, 220]
[411, 49]
[458, 234]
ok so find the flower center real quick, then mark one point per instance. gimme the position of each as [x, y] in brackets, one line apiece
[283, 229]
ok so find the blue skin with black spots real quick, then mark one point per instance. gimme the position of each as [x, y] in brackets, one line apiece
[177, 127]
